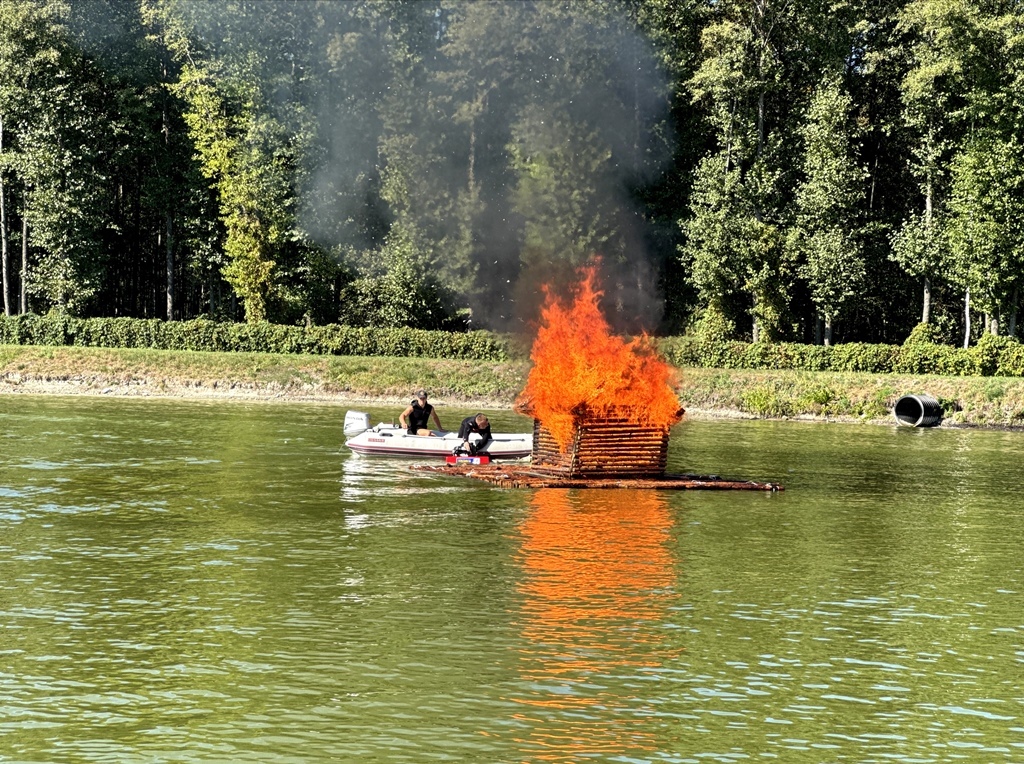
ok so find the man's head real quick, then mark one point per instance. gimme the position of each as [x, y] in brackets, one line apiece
[481, 420]
[421, 396]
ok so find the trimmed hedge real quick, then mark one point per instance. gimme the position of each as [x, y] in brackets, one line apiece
[992, 356]
[201, 334]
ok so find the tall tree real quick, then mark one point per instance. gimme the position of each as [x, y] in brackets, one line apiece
[744, 52]
[54, 96]
[828, 200]
[30, 43]
[986, 225]
[248, 116]
[932, 92]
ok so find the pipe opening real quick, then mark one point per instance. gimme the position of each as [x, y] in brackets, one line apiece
[917, 411]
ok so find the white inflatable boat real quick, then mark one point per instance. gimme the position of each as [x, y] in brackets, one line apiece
[392, 440]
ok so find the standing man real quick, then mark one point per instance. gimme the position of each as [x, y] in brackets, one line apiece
[475, 424]
[419, 413]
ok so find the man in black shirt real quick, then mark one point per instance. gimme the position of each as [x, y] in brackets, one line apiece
[419, 413]
[475, 424]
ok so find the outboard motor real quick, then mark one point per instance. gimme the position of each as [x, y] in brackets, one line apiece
[356, 422]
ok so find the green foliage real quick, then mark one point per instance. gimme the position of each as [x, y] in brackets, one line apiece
[986, 222]
[989, 352]
[730, 247]
[820, 397]
[825, 236]
[767, 401]
[923, 334]
[406, 294]
[919, 246]
[51, 110]
[1011, 361]
[1000, 356]
[993, 356]
[259, 159]
[200, 334]
[925, 358]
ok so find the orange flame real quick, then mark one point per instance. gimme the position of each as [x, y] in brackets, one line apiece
[579, 364]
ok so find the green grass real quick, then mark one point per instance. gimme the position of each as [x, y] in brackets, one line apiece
[329, 375]
[982, 401]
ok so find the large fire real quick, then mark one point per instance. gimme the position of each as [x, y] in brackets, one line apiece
[581, 365]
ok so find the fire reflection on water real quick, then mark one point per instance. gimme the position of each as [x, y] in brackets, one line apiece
[597, 579]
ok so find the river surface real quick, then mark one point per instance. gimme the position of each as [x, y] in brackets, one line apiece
[223, 582]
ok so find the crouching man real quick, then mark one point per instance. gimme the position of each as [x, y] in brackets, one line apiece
[476, 424]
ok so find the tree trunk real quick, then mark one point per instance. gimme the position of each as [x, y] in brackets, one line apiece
[828, 331]
[1012, 329]
[967, 319]
[24, 261]
[760, 124]
[755, 333]
[166, 125]
[874, 178]
[4, 265]
[471, 173]
[170, 270]
[818, 330]
[926, 310]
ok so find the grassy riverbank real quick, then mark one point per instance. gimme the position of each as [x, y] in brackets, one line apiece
[973, 401]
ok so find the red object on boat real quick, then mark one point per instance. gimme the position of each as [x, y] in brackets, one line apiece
[453, 459]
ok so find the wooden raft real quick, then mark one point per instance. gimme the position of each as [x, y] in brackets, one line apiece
[525, 476]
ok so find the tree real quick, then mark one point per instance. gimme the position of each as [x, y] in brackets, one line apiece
[53, 100]
[932, 93]
[730, 251]
[29, 48]
[403, 295]
[248, 115]
[825, 235]
[986, 225]
[744, 47]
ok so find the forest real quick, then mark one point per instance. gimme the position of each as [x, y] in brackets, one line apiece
[815, 171]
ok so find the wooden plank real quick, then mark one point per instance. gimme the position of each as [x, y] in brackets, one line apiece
[525, 476]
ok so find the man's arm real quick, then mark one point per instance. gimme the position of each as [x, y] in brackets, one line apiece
[403, 415]
[437, 421]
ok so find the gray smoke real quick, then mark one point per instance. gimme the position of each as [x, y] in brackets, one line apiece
[506, 140]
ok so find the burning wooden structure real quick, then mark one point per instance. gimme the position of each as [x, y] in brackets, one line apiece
[616, 443]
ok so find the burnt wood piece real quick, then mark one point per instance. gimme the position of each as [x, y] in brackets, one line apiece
[526, 476]
[603, 447]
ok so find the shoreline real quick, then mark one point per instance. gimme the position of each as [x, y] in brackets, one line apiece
[777, 395]
[246, 393]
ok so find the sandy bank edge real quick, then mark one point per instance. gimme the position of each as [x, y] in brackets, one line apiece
[17, 384]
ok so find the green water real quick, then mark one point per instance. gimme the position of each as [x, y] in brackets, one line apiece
[200, 582]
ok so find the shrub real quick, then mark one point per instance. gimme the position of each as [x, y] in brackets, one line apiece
[992, 356]
[767, 401]
[923, 334]
[202, 334]
[1011, 361]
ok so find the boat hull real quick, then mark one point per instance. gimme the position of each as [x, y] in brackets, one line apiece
[391, 440]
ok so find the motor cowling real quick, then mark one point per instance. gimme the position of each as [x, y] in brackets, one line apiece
[356, 422]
